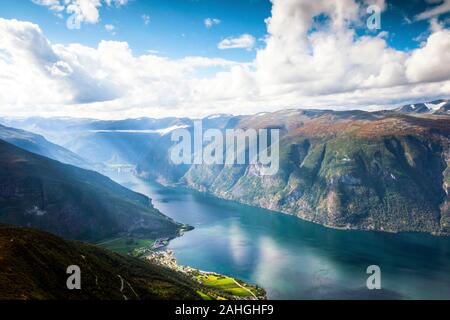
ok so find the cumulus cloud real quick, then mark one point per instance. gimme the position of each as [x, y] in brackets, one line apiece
[209, 22]
[302, 64]
[432, 61]
[79, 11]
[332, 59]
[37, 73]
[245, 41]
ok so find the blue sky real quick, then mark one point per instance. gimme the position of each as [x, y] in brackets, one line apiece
[309, 54]
[176, 28]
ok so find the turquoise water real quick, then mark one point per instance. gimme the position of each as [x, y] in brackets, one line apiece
[294, 259]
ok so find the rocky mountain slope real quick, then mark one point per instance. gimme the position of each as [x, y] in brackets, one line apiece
[352, 170]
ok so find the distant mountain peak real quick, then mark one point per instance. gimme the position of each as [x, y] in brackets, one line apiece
[436, 107]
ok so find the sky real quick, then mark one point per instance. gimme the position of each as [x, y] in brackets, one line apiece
[115, 59]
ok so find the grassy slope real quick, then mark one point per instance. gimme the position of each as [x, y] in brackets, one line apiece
[227, 285]
[33, 266]
[126, 245]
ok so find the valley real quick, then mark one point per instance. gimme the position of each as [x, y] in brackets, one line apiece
[83, 205]
[379, 180]
[384, 170]
[223, 150]
[295, 259]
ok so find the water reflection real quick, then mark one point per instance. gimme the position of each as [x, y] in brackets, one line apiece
[294, 259]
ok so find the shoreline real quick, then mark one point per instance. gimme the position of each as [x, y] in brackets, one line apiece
[219, 286]
[190, 188]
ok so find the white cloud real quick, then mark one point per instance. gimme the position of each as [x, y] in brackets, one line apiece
[146, 18]
[301, 65]
[245, 41]
[79, 11]
[209, 22]
[116, 3]
[432, 61]
[443, 7]
[38, 74]
[110, 28]
[54, 5]
[332, 60]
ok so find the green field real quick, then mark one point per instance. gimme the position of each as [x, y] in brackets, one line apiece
[226, 284]
[125, 245]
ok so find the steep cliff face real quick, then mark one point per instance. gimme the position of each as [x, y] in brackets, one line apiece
[347, 170]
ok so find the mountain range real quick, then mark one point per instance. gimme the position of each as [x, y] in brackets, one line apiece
[435, 107]
[351, 170]
[385, 170]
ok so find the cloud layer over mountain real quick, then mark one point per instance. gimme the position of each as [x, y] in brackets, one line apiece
[305, 62]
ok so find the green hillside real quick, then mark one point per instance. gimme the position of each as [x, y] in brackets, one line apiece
[33, 266]
[71, 202]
